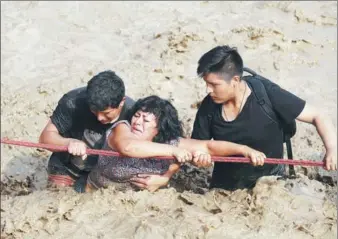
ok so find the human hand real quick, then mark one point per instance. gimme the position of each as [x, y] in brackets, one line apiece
[182, 155]
[201, 159]
[77, 148]
[151, 182]
[330, 159]
[256, 157]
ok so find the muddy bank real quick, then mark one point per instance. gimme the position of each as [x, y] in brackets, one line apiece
[273, 209]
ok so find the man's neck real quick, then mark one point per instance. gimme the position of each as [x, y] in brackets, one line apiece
[239, 96]
[114, 120]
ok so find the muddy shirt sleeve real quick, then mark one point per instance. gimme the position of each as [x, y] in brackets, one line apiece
[201, 129]
[287, 105]
[63, 116]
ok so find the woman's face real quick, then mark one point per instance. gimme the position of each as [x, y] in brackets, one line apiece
[144, 125]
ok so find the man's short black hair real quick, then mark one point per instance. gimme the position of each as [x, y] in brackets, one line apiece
[222, 60]
[104, 90]
[168, 124]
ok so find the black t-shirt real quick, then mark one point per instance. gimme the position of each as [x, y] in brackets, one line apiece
[253, 128]
[73, 119]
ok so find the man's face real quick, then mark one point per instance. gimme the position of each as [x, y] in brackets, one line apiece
[109, 115]
[219, 89]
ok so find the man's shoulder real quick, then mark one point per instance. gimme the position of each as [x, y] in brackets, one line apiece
[74, 98]
[207, 104]
[76, 93]
[126, 110]
[206, 110]
[267, 83]
[129, 103]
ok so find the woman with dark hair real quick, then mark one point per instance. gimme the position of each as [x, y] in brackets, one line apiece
[154, 130]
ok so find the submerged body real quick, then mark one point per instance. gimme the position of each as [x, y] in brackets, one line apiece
[119, 170]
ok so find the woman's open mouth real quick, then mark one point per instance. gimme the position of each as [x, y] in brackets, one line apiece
[134, 129]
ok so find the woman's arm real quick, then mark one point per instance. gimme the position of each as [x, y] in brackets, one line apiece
[126, 143]
[152, 182]
[173, 168]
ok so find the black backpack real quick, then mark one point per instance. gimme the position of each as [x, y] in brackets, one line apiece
[256, 83]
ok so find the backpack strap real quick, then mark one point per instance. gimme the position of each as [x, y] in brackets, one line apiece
[210, 115]
[292, 171]
[258, 88]
[261, 96]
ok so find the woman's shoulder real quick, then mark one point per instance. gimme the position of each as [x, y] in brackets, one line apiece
[125, 122]
[115, 125]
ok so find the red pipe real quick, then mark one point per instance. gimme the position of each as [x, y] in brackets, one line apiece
[113, 153]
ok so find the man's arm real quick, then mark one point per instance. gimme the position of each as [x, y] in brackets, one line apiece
[50, 135]
[61, 122]
[204, 147]
[221, 148]
[326, 131]
[290, 107]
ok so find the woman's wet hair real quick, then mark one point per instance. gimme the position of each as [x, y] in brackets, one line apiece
[168, 125]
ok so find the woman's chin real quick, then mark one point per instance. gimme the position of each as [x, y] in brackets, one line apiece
[136, 133]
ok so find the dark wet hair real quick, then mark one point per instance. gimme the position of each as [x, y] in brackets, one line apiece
[168, 125]
[222, 60]
[104, 90]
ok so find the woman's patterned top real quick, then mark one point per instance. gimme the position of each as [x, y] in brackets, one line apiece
[111, 169]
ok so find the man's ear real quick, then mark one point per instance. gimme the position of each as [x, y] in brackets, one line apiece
[122, 102]
[237, 78]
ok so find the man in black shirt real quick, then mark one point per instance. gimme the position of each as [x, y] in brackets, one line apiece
[80, 120]
[231, 112]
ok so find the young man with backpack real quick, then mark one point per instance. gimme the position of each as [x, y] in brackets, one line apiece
[253, 111]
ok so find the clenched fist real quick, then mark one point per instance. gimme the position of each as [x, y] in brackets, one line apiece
[256, 157]
[77, 148]
[182, 155]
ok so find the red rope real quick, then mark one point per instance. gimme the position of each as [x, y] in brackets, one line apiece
[112, 153]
